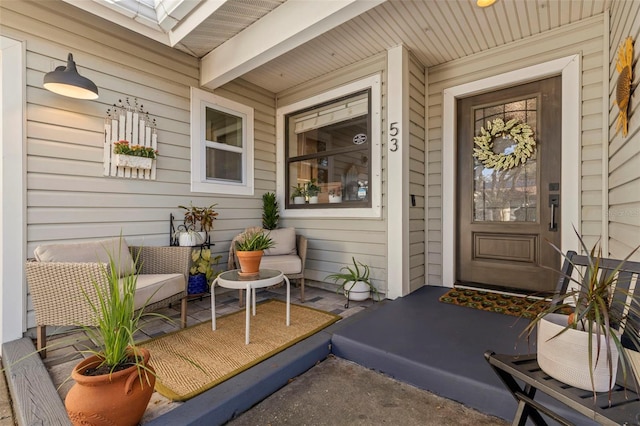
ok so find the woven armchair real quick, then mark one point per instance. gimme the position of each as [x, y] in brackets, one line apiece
[57, 297]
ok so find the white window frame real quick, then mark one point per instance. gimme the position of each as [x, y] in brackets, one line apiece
[375, 211]
[200, 100]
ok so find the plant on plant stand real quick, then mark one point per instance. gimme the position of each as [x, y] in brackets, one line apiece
[587, 342]
[198, 222]
[250, 248]
[356, 284]
[202, 271]
[116, 382]
[270, 212]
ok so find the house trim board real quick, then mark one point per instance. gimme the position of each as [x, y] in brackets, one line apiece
[13, 292]
[569, 68]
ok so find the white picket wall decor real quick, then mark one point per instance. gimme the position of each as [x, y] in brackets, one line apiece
[132, 124]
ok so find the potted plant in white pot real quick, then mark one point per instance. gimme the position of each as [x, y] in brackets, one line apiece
[198, 222]
[355, 284]
[312, 190]
[335, 195]
[579, 334]
[116, 382]
[298, 194]
[250, 248]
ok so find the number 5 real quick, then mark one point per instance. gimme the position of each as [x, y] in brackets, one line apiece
[394, 131]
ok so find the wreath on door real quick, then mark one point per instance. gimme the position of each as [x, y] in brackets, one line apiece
[521, 133]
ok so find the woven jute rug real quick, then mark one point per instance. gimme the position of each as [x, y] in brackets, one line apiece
[526, 307]
[192, 360]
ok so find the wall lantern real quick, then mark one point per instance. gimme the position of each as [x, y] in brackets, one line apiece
[67, 82]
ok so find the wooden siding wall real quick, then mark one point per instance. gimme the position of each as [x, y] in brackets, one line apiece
[417, 174]
[332, 241]
[624, 152]
[584, 38]
[68, 198]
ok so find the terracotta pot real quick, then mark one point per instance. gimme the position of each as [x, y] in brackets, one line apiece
[249, 261]
[110, 399]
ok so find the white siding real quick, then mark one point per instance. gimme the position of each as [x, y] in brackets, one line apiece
[332, 242]
[68, 198]
[624, 152]
[584, 38]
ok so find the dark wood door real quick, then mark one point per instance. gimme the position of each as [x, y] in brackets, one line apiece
[505, 217]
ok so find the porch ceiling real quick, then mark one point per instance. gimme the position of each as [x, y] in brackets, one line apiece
[278, 44]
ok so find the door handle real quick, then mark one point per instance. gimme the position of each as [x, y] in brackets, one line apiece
[554, 203]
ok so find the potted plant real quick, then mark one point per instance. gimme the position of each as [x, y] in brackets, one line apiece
[312, 190]
[249, 249]
[335, 195]
[134, 156]
[270, 212]
[298, 194]
[356, 284]
[578, 337]
[202, 271]
[198, 222]
[118, 371]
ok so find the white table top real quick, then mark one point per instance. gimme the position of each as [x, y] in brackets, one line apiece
[264, 278]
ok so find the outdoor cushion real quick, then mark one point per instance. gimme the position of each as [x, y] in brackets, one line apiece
[89, 252]
[285, 241]
[287, 263]
[152, 288]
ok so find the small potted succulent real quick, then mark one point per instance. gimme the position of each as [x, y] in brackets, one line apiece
[335, 195]
[250, 248]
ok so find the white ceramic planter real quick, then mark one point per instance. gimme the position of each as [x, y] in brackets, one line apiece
[133, 161]
[313, 200]
[357, 290]
[298, 200]
[565, 357]
[335, 198]
[190, 239]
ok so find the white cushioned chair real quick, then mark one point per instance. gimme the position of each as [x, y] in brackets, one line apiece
[287, 255]
[59, 272]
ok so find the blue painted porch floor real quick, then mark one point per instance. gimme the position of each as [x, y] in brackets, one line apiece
[415, 339]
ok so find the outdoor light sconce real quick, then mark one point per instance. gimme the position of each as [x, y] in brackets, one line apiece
[67, 82]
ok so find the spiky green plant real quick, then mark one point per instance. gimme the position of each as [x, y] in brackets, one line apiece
[270, 211]
[252, 241]
[599, 307]
[352, 274]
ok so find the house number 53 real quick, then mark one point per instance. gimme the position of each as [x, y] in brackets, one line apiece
[393, 132]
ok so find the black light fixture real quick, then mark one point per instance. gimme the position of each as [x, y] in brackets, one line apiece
[67, 82]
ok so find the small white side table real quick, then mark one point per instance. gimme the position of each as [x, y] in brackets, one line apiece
[264, 278]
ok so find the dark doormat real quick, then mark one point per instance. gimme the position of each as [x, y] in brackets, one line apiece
[527, 307]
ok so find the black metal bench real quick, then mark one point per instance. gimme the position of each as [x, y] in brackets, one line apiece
[523, 377]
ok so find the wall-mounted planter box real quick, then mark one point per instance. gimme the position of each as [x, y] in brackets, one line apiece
[133, 161]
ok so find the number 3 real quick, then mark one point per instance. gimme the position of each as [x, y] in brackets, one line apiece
[394, 131]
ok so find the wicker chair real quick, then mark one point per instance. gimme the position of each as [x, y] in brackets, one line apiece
[57, 297]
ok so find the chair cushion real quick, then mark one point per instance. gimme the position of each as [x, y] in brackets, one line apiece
[287, 263]
[285, 241]
[152, 288]
[89, 252]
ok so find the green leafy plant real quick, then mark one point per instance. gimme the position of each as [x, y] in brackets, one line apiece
[204, 263]
[312, 189]
[348, 274]
[270, 212]
[199, 218]
[597, 306]
[298, 191]
[253, 241]
[123, 147]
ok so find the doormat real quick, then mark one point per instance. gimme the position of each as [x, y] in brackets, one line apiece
[194, 359]
[518, 306]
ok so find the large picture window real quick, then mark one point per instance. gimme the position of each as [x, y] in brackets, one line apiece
[221, 145]
[330, 151]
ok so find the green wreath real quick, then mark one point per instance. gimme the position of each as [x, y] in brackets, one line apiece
[521, 133]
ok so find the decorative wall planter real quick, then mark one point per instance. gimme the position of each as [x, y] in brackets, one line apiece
[132, 161]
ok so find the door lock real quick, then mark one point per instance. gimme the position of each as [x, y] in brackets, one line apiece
[554, 203]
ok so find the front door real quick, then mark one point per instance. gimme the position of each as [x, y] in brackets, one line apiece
[509, 187]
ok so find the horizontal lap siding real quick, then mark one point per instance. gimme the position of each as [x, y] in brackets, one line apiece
[584, 38]
[624, 152]
[416, 174]
[333, 241]
[68, 198]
